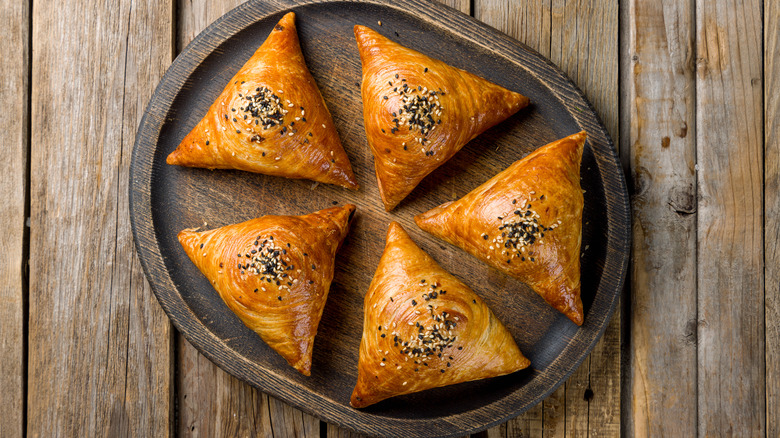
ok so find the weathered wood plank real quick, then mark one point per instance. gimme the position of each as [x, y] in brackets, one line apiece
[461, 5]
[772, 213]
[100, 353]
[660, 107]
[212, 402]
[14, 94]
[554, 414]
[729, 146]
[581, 37]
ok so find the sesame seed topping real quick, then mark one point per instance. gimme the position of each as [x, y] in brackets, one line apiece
[520, 229]
[420, 111]
[267, 261]
[265, 107]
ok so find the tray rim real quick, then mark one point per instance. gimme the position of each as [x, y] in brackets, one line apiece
[476, 33]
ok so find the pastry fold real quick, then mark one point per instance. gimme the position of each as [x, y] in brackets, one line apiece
[418, 111]
[423, 329]
[274, 273]
[526, 222]
[270, 119]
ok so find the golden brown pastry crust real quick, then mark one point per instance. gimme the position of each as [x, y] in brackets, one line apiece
[460, 104]
[274, 272]
[487, 223]
[412, 296]
[300, 140]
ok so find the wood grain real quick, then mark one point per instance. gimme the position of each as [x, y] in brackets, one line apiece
[461, 5]
[100, 352]
[772, 213]
[213, 402]
[660, 106]
[729, 148]
[581, 37]
[14, 71]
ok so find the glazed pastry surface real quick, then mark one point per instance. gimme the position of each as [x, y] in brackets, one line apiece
[270, 119]
[418, 111]
[526, 221]
[424, 329]
[274, 273]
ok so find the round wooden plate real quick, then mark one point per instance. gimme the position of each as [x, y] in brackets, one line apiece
[165, 199]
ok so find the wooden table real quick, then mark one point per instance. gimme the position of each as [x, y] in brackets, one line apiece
[687, 89]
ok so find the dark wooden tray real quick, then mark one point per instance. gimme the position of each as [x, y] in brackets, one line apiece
[165, 199]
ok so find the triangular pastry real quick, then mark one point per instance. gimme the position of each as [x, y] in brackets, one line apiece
[270, 119]
[274, 272]
[418, 111]
[423, 329]
[526, 221]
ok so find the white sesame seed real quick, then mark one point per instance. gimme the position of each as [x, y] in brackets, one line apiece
[323, 125]
[381, 364]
